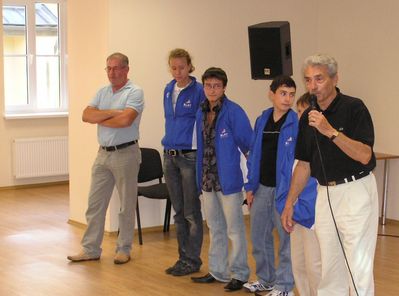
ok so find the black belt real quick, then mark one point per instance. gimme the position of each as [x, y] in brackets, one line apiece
[174, 152]
[118, 147]
[347, 179]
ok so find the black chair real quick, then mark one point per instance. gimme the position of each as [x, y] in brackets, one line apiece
[151, 169]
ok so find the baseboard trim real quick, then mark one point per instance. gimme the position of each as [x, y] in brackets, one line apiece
[27, 186]
[390, 221]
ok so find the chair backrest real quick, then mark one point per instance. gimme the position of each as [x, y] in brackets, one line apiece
[151, 165]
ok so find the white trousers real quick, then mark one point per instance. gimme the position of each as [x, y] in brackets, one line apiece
[306, 261]
[355, 208]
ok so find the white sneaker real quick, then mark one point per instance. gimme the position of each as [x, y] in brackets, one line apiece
[256, 286]
[276, 292]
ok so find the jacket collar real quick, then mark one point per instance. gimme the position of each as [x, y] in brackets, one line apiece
[193, 81]
[291, 116]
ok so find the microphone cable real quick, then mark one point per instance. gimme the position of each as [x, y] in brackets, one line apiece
[313, 107]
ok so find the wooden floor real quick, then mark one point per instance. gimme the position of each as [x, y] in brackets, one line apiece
[35, 239]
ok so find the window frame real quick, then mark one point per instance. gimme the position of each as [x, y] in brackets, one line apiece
[31, 110]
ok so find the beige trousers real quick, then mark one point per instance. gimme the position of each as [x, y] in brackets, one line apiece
[355, 207]
[306, 261]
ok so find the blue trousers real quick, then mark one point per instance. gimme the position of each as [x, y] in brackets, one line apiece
[180, 179]
[225, 221]
[264, 218]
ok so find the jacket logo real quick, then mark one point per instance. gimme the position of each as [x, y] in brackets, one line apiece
[168, 95]
[224, 134]
[187, 104]
[289, 141]
[341, 129]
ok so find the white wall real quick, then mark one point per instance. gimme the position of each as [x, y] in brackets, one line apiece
[215, 33]
[364, 38]
[88, 49]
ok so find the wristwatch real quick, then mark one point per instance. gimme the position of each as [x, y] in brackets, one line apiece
[334, 135]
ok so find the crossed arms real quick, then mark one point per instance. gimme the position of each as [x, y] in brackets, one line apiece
[113, 118]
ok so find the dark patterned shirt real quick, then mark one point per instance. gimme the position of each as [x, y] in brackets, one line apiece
[210, 177]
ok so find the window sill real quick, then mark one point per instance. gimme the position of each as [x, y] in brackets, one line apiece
[36, 115]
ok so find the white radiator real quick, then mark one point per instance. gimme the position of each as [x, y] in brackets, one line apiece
[40, 157]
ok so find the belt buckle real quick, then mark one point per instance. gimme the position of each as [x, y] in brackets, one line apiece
[332, 183]
[172, 152]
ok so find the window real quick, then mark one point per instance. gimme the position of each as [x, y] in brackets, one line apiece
[34, 56]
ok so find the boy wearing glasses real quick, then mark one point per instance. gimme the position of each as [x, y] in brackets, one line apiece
[223, 133]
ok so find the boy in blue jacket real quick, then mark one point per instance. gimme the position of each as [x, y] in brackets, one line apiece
[223, 133]
[270, 164]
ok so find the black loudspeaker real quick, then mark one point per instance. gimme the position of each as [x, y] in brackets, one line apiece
[270, 50]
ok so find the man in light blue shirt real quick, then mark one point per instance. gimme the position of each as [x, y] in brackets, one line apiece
[116, 109]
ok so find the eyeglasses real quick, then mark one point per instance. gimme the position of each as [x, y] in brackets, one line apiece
[115, 69]
[216, 86]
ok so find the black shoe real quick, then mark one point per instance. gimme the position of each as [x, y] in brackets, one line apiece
[178, 264]
[234, 285]
[185, 269]
[205, 279]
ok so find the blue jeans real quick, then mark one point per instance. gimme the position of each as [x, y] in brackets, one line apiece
[180, 174]
[264, 217]
[226, 221]
[120, 169]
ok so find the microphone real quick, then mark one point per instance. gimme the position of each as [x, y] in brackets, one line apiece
[312, 102]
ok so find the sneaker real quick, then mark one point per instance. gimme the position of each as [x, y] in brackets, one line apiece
[276, 292]
[82, 256]
[121, 258]
[253, 287]
[185, 269]
[178, 264]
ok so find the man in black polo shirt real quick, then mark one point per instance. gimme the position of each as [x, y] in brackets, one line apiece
[342, 128]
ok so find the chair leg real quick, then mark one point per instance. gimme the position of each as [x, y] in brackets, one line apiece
[165, 219]
[139, 222]
[166, 223]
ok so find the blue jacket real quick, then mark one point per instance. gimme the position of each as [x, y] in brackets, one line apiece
[179, 123]
[233, 132]
[304, 209]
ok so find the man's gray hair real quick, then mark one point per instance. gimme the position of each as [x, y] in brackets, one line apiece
[120, 56]
[321, 60]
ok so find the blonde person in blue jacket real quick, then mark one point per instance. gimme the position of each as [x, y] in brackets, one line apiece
[270, 164]
[182, 97]
[224, 133]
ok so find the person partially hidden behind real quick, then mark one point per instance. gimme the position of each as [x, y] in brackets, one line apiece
[116, 109]
[302, 104]
[223, 130]
[341, 126]
[305, 249]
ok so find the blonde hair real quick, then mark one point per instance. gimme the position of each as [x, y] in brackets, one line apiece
[181, 53]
